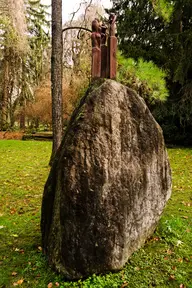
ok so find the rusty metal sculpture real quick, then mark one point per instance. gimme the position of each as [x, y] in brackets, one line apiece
[104, 56]
[112, 47]
[104, 59]
[96, 49]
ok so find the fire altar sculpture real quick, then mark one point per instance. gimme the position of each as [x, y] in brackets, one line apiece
[104, 55]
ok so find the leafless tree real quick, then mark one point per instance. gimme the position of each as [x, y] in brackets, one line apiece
[77, 40]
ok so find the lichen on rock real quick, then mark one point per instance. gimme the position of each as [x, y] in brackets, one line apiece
[108, 185]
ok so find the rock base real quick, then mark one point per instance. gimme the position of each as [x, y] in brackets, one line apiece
[108, 184]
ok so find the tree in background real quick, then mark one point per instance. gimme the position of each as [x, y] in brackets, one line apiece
[77, 45]
[13, 47]
[35, 65]
[22, 52]
[56, 75]
[39, 40]
[39, 112]
[161, 31]
[144, 77]
[76, 72]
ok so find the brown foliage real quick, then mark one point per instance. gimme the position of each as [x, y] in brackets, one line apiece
[11, 135]
[40, 111]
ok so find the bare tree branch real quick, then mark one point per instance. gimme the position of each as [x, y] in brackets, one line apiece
[76, 27]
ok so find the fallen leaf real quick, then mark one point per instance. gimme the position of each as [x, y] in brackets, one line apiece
[156, 238]
[1, 227]
[169, 252]
[21, 251]
[172, 277]
[50, 285]
[174, 268]
[19, 282]
[40, 248]
[180, 260]
[57, 284]
[14, 273]
[124, 285]
[185, 217]
[186, 204]
[12, 211]
[181, 286]
[179, 242]
[137, 268]
[21, 211]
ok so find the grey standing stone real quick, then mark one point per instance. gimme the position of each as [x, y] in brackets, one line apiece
[108, 184]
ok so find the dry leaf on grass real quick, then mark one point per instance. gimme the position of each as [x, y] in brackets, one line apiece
[19, 282]
[125, 284]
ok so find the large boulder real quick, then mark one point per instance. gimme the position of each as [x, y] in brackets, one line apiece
[108, 185]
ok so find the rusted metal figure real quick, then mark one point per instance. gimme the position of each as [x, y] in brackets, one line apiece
[96, 49]
[104, 56]
[96, 33]
[104, 53]
[112, 19]
[112, 47]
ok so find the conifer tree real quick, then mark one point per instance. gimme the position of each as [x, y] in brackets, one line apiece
[22, 53]
[161, 31]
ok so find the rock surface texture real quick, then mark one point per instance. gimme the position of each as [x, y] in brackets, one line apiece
[108, 185]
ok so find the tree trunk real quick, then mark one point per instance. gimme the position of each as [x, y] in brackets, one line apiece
[5, 93]
[22, 115]
[56, 75]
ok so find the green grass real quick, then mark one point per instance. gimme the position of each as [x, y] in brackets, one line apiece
[164, 261]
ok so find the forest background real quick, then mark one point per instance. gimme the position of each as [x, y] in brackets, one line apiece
[154, 58]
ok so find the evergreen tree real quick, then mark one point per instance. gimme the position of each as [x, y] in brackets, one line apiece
[144, 77]
[13, 46]
[161, 31]
[23, 54]
[39, 39]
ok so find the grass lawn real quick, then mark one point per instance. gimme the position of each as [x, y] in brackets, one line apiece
[164, 261]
